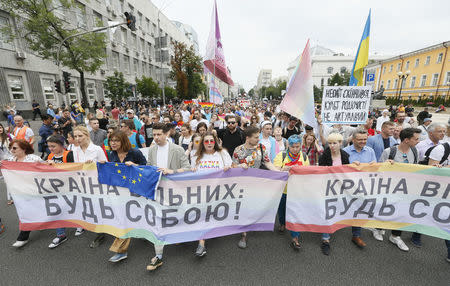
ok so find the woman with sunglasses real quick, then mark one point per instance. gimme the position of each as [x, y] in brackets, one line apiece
[209, 156]
[22, 151]
[254, 121]
[193, 147]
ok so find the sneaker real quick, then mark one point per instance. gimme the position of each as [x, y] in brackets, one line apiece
[397, 240]
[448, 259]
[378, 234]
[154, 263]
[118, 257]
[325, 248]
[295, 245]
[201, 251]
[98, 240]
[79, 231]
[20, 243]
[2, 229]
[242, 242]
[57, 241]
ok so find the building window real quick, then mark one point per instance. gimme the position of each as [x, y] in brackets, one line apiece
[427, 61]
[16, 87]
[136, 68]
[403, 83]
[126, 60]
[147, 25]
[343, 69]
[423, 80]
[417, 63]
[80, 14]
[395, 83]
[124, 35]
[434, 81]
[388, 85]
[47, 89]
[447, 79]
[73, 91]
[407, 65]
[384, 69]
[142, 45]
[329, 70]
[90, 87]
[134, 41]
[439, 59]
[413, 82]
[4, 39]
[98, 21]
[121, 11]
[382, 84]
[115, 60]
[390, 68]
[399, 66]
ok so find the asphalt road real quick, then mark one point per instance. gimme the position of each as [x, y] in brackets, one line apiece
[268, 260]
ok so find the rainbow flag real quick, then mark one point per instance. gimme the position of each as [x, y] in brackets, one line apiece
[299, 98]
[362, 57]
[206, 104]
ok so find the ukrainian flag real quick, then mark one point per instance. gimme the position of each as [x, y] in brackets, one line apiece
[362, 57]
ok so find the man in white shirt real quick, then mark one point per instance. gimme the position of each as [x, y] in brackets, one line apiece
[424, 128]
[170, 159]
[185, 114]
[197, 119]
[436, 132]
[22, 131]
[382, 119]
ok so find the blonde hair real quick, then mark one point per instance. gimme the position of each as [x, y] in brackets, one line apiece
[83, 130]
[335, 137]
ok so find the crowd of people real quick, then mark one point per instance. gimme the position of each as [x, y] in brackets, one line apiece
[190, 137]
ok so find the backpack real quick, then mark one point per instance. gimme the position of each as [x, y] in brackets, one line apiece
[426, 159]
[393, 151]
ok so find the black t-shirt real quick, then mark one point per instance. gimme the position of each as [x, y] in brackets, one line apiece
[287, 133]
[103, 123]
[386, 142]
[67, 128]
[60, 158]
[231, 140]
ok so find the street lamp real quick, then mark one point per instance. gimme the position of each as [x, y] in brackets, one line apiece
[402, 77]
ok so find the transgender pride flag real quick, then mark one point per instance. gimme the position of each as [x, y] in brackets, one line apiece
[299, 98]
[214, 94]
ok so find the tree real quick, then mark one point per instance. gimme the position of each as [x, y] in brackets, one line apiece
[241, 91]
[170, 92]
[318, 93]
[117, 87]
[186, 71]
[43, 31]
[339, 79]
[147, 87]
[251, 92]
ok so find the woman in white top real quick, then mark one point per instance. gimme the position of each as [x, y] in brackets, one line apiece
[193, 147]
[186, 136]
[22, 151]
[209, 156]
[86, 152]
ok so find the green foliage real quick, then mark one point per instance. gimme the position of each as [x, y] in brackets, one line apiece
[339, 79]
[170, 93]
[186, 71]
[147, 87]
[424, 101]
[318, 93]
[274, 91]
[251, 92]
[43, 31]
[241, 91]
[117, 87]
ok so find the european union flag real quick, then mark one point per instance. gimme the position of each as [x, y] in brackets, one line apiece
[141, 180]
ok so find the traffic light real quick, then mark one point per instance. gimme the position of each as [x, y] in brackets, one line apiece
[66, 79]
[131, 21]
[58, 86]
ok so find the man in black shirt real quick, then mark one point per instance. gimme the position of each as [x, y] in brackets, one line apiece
[291, 129]
[147, 128]
[232, 136]
[65, 123]
[36, 109]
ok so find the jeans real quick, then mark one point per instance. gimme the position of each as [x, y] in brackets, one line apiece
[295, 234]
[416, 237]
[60, 232]
[282, 210]
[356, 231]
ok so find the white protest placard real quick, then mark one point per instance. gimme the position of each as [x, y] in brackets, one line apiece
[345, 104]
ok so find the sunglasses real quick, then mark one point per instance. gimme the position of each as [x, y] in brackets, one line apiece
[232, 122]
[209, 141]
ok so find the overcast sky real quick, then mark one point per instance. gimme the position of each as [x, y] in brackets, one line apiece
[259, 34]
